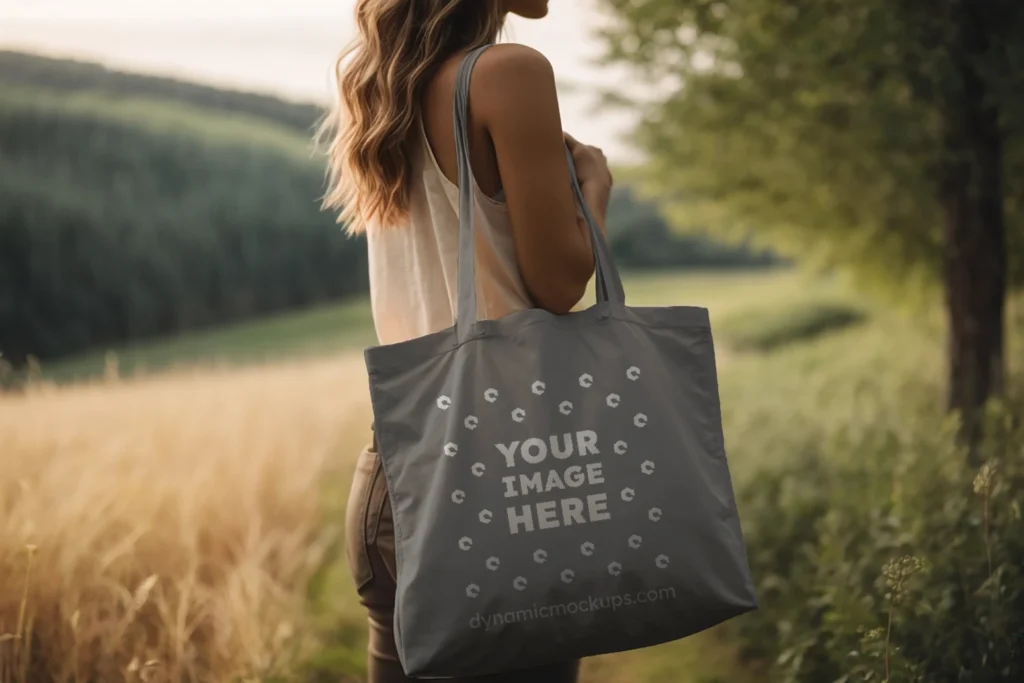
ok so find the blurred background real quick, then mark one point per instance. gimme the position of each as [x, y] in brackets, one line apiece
[182, 394]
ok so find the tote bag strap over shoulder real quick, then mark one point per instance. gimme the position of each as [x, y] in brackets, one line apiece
[608, 283]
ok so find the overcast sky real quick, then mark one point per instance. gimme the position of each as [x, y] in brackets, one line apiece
[285, 47]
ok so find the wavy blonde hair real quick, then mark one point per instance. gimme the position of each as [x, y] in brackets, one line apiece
[380, 79]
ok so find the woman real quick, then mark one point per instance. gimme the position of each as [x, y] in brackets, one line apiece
[393, 174]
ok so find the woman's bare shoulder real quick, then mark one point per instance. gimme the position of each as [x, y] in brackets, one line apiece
[511, 78]
[513, 57]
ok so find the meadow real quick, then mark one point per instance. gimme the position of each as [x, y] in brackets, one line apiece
[183, 522]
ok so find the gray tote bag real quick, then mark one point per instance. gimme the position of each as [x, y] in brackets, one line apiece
[559, 483]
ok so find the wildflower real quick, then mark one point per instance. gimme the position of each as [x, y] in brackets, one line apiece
[874, 634]
[983, 480]
[896, 573]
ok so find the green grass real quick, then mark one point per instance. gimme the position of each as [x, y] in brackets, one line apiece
[314, 331]
[764, 328]
[348, 326]
[722, 292]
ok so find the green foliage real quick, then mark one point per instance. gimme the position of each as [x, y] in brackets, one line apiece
[823, 127]
[887, 138]
[845, 466]
[824, 532]
[125, 220]
[640, 237]
[764, 329]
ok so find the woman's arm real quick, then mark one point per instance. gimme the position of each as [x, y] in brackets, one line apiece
[513, 94]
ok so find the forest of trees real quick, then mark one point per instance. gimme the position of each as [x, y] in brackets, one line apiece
[112, 232]
[133, 206]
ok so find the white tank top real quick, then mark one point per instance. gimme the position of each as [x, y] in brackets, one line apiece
[413, 267]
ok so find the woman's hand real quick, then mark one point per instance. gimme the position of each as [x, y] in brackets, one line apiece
[594, 176]
[591, 164]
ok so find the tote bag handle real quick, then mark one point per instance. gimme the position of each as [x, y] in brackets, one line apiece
[608, 283]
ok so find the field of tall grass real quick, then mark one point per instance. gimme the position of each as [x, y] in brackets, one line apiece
[166, 529]
[186, 525]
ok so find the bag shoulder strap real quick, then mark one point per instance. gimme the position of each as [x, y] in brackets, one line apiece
[609, 284]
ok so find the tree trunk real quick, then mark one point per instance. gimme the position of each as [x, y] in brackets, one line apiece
[975, 245]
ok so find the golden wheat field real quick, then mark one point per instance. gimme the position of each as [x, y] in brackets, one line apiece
[164, 528]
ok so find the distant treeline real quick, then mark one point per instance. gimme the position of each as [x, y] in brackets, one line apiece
[641, 238]
[134, 207]
[18, 68]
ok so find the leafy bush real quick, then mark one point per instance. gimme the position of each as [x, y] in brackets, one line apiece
[880, 555]
[764, 329]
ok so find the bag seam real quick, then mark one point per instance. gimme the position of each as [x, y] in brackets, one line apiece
[458, 345]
